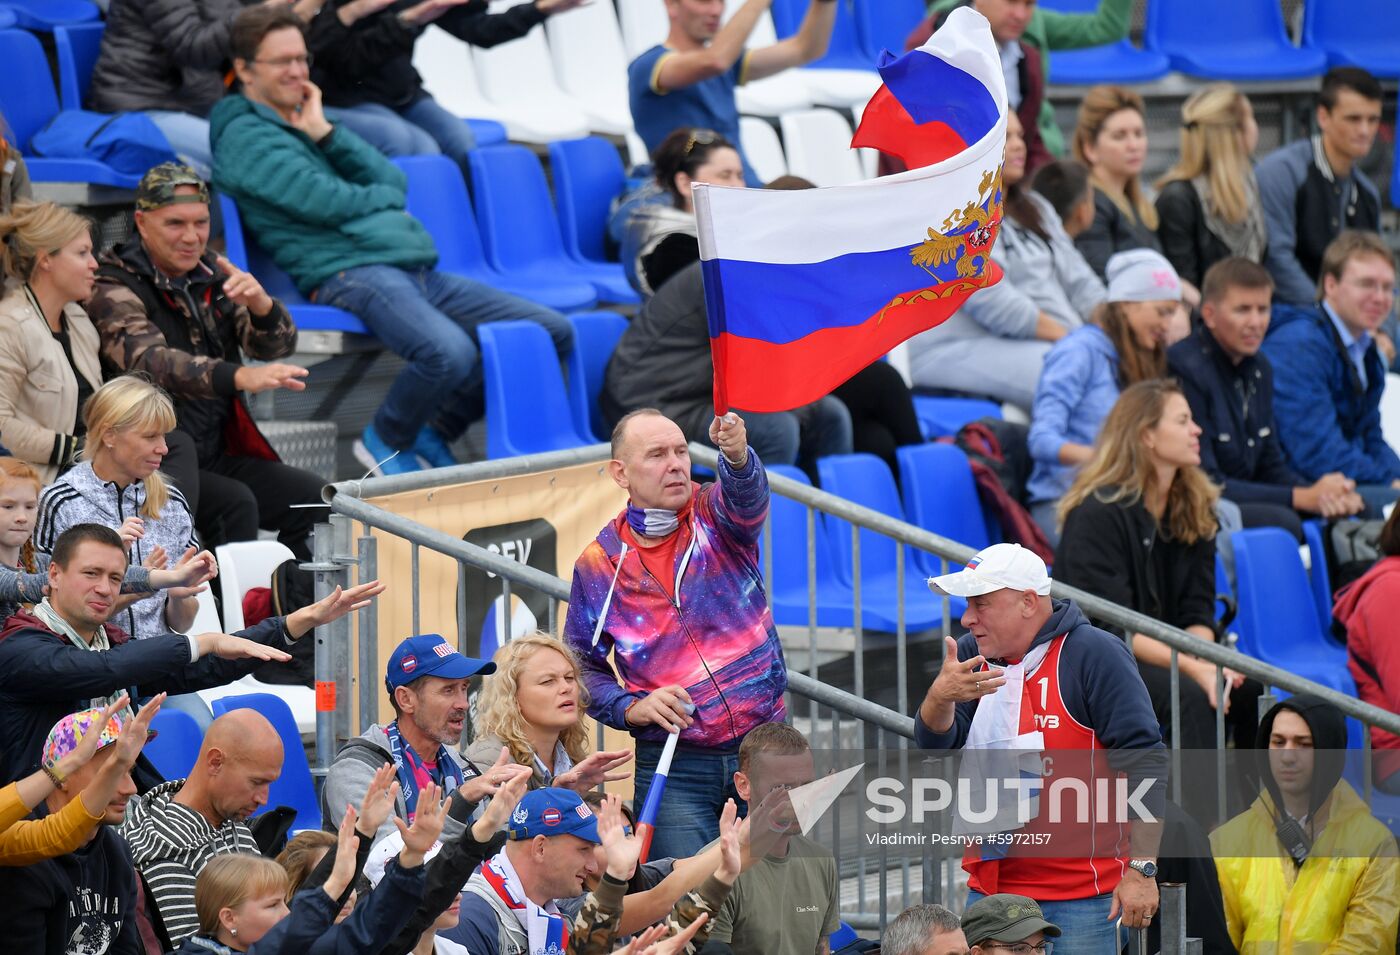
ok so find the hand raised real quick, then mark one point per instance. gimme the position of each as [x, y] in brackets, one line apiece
[503, 803]
[595, 769]
[731, 437]
[428, 818]
[332, 607]
[622, 850]
[379, 800]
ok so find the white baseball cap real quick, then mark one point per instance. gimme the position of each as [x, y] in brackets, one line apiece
[388, 848]
[999, 567]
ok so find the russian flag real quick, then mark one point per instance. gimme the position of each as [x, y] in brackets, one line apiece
[804, 289]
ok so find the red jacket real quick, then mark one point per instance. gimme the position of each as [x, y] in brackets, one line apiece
[1369, 608]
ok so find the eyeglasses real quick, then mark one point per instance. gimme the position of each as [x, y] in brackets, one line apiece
[282, 62]
[1021, 948]
[700, 137]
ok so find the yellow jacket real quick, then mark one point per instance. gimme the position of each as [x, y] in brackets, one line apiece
[1344, 899]
[27, 841]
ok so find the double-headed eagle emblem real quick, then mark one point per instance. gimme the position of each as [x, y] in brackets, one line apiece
[967, 233]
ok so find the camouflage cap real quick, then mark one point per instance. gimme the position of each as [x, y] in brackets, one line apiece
[1005, 918]
[158, 185]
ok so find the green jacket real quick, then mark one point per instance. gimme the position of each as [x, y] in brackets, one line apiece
[1052, 30]
[316, 208]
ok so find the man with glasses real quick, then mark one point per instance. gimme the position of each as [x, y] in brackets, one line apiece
[330, 210]
[1010, 924]
[1330, 372]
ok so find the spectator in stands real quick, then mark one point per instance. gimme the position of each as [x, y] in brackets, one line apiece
[1312, 190]
[1099, 706]
[177, 827]
[84, 900]
[995, 344]
[671, 591]
[1306, 866]
[48, 346]
[1326, 356]
[170, 59]
[14, 177]
[1366, 610]
[64, 656]
[1110, 138]
[1208, 204]
[363, 64]
[304, 852]
[118, 479]
[427, 684]
[689, 80]
[1145, 483]
[1083, 375]
[1021, 28]
[1230, 387]
[534, 707]
[663, 361]
[24, 842]
[924, 929]
[1065, 185]
[330, 210]
[168, 307]
[792, 874]
[1007, 923]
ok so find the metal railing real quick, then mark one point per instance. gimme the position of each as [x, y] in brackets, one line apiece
[832, 715]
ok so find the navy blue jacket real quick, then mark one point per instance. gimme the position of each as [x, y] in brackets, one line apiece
[1327, 420]
[1234, 405]
[1101, 689]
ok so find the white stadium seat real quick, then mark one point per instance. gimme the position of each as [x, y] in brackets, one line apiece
[586, 44]
[762, 148]
[818, 147]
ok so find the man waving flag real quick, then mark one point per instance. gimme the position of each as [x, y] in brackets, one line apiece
[803, 289]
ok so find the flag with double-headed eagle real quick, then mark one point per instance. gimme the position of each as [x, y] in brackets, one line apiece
[804, 289]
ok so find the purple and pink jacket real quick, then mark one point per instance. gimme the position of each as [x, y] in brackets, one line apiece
[716, 639]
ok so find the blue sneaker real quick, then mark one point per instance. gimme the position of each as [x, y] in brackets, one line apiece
[432, 447]
[382, 460]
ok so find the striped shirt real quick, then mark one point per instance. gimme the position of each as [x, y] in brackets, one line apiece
[170, 846]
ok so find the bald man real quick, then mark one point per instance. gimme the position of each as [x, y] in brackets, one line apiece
[177, 827]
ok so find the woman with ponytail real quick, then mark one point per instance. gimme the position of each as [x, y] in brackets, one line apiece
[48, 346]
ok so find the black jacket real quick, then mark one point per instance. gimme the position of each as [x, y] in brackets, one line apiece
[1234, 405]
[1187, 243]
[1117, 552]
[1112, 231]
[81, 902]
[372, 60]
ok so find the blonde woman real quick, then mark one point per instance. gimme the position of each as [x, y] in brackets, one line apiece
[1208, 202]
[118, 484]
[534, 707]
[48, 347]
[1139, 529]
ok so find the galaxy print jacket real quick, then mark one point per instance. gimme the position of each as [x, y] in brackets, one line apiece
[716, 638]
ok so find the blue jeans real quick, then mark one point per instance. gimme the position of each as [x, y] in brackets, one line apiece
[1083, 923]
[802, 435]
[188, 136]
[423, 128]
[696, 787]
[429, 319]
[1377, 498]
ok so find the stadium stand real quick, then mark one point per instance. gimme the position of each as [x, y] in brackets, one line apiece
[1358, 33]
[589, 60]
[77, 45]
[1242, 40]
[817, 141]
[763, 148]
[44, 15]
[846, 76]
[527, 410]
[595, 336]
[1119, 62]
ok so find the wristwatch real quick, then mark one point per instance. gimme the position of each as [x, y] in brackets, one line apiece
[1144, 867]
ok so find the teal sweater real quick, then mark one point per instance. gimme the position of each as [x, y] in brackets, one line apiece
[316, 208]
[1052, 30]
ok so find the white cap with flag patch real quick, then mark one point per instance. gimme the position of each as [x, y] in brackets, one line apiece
[999, 567]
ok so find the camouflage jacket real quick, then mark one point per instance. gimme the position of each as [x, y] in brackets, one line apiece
[595, 930]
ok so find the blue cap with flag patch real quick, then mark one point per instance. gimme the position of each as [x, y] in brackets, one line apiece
[553, 812]
[430, 655]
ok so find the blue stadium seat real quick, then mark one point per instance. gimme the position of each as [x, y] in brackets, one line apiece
[1364, 33]
[7, 18]
[44, 15]
[1222, 587]
[1119, 62]
[595, 337]
[845, 51]
[294, 788]
[487, 132]
[939, 416]
[1277, 620]
[788, 591]
[77, 46]
[437, 197]
[526, 410]
[941, 497]
[865, 479]
[244, 252]
[588, 176]
[884, 25]
[521, 229]
[176, 745]
[29, 101]
[1317, 575]
[844, 934]
[1238, 40]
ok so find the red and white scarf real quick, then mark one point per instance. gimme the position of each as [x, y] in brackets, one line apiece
[546, 929]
